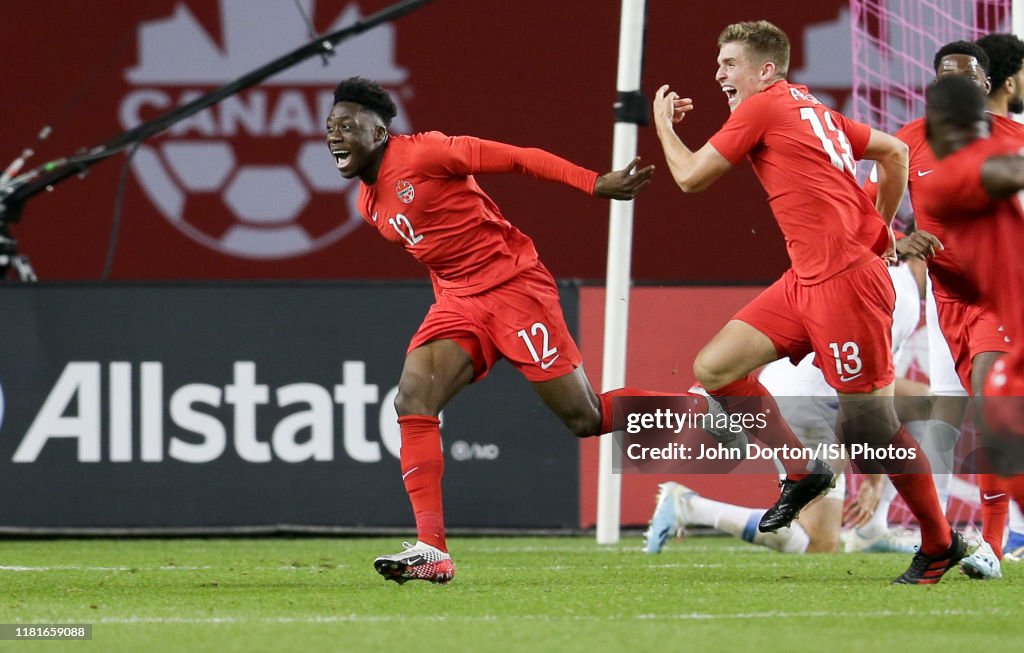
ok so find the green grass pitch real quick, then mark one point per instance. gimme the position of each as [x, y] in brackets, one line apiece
[509, 594]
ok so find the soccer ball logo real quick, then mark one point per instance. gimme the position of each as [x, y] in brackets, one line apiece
[248, 210]
[250, 177]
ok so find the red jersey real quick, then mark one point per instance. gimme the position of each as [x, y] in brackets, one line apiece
[804, 155]
[985, 231]
[948, 268]
[427, 200]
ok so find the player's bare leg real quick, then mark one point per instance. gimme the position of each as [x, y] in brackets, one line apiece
[822, 520]
[724, 368]
[572, 398]
[432, 375]
[734, 352]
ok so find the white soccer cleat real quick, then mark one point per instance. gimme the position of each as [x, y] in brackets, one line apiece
[885, 542]
[736, 440]
[669, 518]
[718, 427]
[418, 562]
[982, 564]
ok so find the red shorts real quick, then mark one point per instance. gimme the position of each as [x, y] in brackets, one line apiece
[520, 320]
[846, 321]
[970, 330]
[1004, 395]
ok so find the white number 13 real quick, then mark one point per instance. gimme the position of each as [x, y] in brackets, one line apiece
[847, 358]
[842, 160]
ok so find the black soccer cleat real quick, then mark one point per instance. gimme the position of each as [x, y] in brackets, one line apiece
[795, 495]
[927, 570]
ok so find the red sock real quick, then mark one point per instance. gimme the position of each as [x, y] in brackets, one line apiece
[748, 396]
[422, 468]
[611, 422]
[913, 480]
[995, 508]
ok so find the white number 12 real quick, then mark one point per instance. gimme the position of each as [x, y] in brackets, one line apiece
[404, 229]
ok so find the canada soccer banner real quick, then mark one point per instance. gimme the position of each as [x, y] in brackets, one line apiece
[247, 189]
[250, 406]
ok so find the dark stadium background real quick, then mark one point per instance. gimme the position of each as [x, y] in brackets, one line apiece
[534, 73]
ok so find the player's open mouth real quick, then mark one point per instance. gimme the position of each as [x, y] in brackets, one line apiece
[730, 92]
[341, 158]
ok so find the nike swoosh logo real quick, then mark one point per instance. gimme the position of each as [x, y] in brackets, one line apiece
[548, 364]
[847, 379]
[410, 472]
[374, 216]
[990, 497]
[922, 173]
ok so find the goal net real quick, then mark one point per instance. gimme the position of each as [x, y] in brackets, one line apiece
[894, 42]
[893, 46]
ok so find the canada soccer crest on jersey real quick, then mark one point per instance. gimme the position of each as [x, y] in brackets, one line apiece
[250, 176]
[405, 191]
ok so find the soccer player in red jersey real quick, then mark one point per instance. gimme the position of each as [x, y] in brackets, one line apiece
[975, 192]
[837, 299]
[494, 298]
[974, 333]
[1006, 73]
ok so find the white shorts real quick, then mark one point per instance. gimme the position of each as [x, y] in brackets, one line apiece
[906, 317]
[942, 375]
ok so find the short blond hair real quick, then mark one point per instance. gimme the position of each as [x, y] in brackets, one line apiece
[764, 41]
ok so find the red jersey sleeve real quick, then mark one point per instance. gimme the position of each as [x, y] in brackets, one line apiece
[467, 155]
[744, 129]
[871, 185]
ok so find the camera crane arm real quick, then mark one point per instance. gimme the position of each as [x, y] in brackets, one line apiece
[19, 189]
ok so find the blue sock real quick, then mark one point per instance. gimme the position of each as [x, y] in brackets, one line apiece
[750, 530]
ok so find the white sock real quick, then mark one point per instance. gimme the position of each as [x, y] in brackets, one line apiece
[879, 522]
[741, 522]
[1016, 518]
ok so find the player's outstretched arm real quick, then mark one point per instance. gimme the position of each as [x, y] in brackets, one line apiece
[692, 171]
[623, 184]
[892, 161]
[1002, 176]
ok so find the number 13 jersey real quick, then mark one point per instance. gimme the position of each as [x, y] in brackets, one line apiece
[804, 155]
